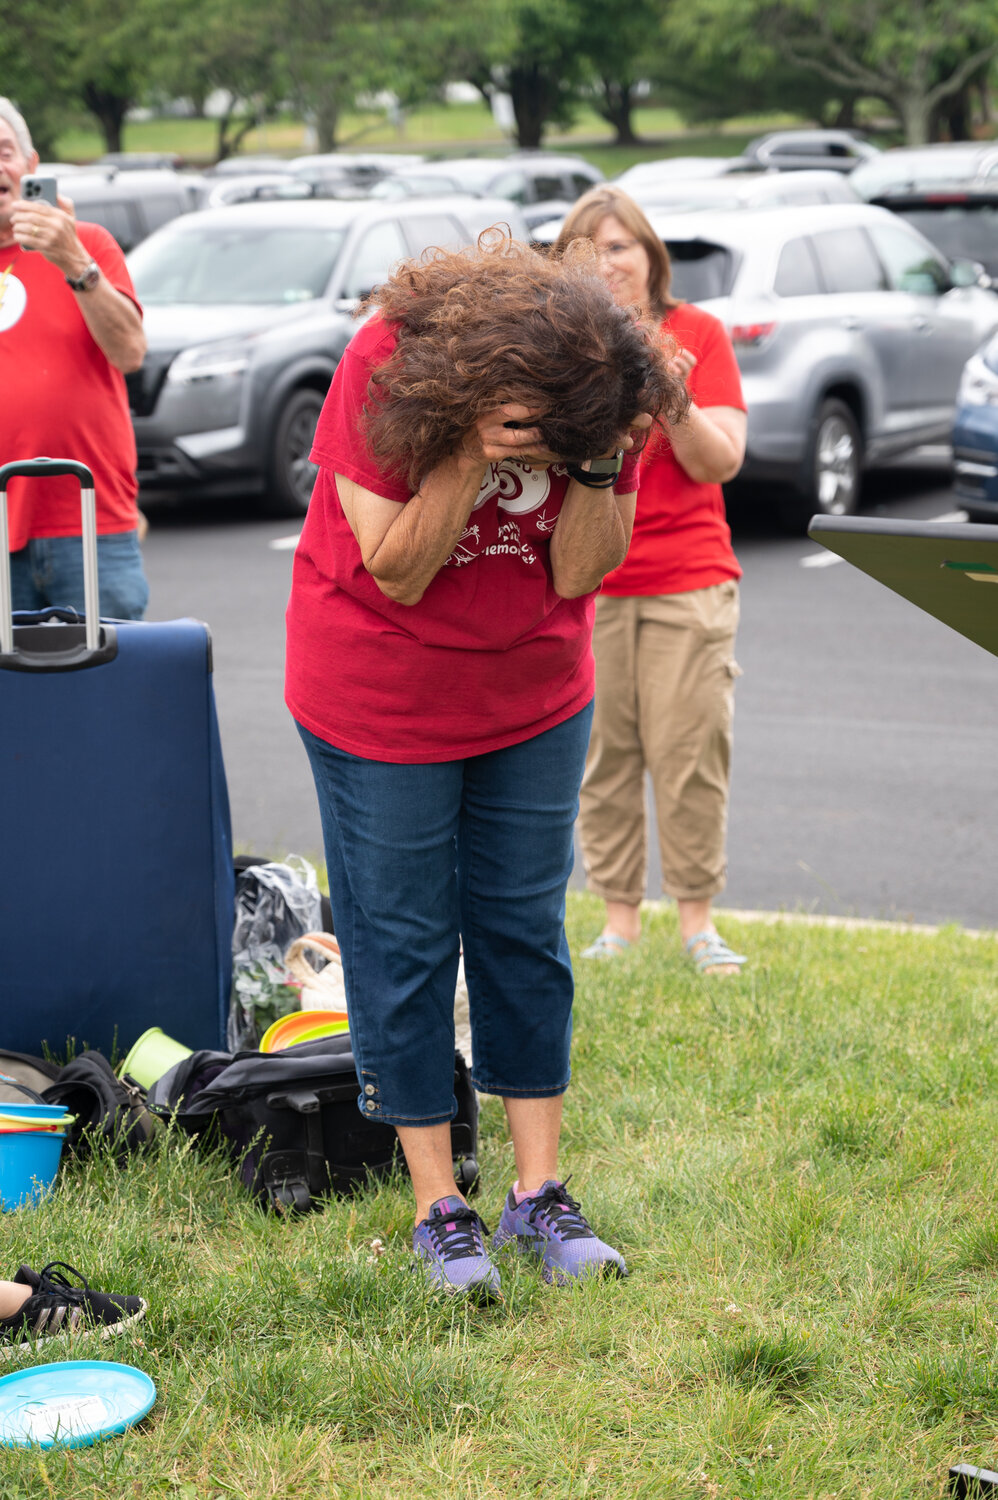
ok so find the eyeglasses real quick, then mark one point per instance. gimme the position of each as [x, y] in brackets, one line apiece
[615, 250]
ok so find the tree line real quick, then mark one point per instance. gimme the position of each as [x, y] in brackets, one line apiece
[927, 62]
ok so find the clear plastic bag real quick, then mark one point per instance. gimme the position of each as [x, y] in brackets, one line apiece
[275, 903]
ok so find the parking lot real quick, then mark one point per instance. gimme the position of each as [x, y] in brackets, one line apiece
[864, 781]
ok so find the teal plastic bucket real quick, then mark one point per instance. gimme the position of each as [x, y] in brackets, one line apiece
[35, 1111]
[28, 1164]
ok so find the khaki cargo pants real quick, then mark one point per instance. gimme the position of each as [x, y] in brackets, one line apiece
[665, 677]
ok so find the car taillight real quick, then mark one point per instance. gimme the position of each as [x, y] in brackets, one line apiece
[750, 334]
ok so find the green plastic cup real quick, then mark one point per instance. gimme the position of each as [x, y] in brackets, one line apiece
[151, 1056]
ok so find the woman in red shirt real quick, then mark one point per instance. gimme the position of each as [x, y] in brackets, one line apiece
[439, 668]
[665, 619]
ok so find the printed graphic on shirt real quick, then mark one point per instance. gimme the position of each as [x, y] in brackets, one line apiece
[13, 299]
[518, 490]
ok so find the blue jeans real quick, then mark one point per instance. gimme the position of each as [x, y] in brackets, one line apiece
[49, 571]
[423, 858]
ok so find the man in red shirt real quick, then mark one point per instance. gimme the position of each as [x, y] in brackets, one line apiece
[70, 329]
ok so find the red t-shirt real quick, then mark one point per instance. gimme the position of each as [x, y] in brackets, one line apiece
[490, 656]
[60, 396]
[681, 538]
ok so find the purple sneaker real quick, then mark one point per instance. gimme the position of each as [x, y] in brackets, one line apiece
[450, 1242]
[551, 1226]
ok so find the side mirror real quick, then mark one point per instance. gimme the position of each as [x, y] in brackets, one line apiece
[968, 273]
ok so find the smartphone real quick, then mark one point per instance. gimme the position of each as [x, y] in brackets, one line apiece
[38, 190]
[44, 188]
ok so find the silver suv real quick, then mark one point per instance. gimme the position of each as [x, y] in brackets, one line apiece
[247, 312]
[794, 150]
[851, 333]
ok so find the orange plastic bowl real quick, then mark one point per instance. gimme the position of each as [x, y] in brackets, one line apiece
[303, 1026]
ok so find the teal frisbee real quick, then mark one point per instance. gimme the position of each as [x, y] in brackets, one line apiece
[73, 1404]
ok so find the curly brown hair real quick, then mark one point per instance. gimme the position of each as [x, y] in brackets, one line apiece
[499, 323]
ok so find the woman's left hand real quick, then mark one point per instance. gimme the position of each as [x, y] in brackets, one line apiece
[638, 423]
[681, 364]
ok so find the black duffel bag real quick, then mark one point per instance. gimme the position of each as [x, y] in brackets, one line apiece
[109, 1110]
[291, 1120]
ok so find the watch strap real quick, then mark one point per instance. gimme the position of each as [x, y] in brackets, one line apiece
[602, 473]
[87, 279]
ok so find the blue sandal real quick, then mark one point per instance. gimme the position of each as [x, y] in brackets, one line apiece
[708, 950]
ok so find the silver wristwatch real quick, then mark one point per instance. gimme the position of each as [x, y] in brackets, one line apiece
[87, 279]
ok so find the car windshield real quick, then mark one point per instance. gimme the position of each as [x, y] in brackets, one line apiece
[219, 264]
[701, 270]
[962, 231]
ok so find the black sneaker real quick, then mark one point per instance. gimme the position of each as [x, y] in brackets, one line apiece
[57, 1308]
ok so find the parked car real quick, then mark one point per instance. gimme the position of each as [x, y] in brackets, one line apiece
[542, 184]
[239, 166]
[141, 161]
[793, 150]
[130, 204]
[247, 312]
[743, 190]
[363, 169]
[426, 185]
[850, 329]
[255, 187]
[949, 192]
[668, 169]
[975, 435]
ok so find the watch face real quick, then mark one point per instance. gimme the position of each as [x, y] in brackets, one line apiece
[87, 279]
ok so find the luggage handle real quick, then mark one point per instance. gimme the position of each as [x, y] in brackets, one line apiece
[307, 1101]
[304, 1101]
[50, 468]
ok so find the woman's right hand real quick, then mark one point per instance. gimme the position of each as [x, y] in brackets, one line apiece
[491, 439]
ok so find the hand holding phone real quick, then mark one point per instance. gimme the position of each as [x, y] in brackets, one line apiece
[38, 189]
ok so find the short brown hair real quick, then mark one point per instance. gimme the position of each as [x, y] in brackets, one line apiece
[500, 323]
[585, 217]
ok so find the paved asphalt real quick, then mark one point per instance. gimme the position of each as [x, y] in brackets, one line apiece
[864, 781]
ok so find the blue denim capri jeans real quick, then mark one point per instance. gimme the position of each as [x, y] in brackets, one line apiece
[49, 571]
[423, 858]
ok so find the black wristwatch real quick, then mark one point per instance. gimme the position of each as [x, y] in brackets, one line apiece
[87, 279]
[602, 473]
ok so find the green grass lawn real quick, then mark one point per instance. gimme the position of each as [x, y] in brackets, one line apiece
[799, 1167]
[448, 129]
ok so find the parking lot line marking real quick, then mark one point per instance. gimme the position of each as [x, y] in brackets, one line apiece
[825, 559]
[284, 543]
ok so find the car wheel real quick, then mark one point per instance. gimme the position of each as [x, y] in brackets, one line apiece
[292, 473]
[833, 469]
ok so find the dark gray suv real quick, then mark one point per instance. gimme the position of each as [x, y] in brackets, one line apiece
[247, 312]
